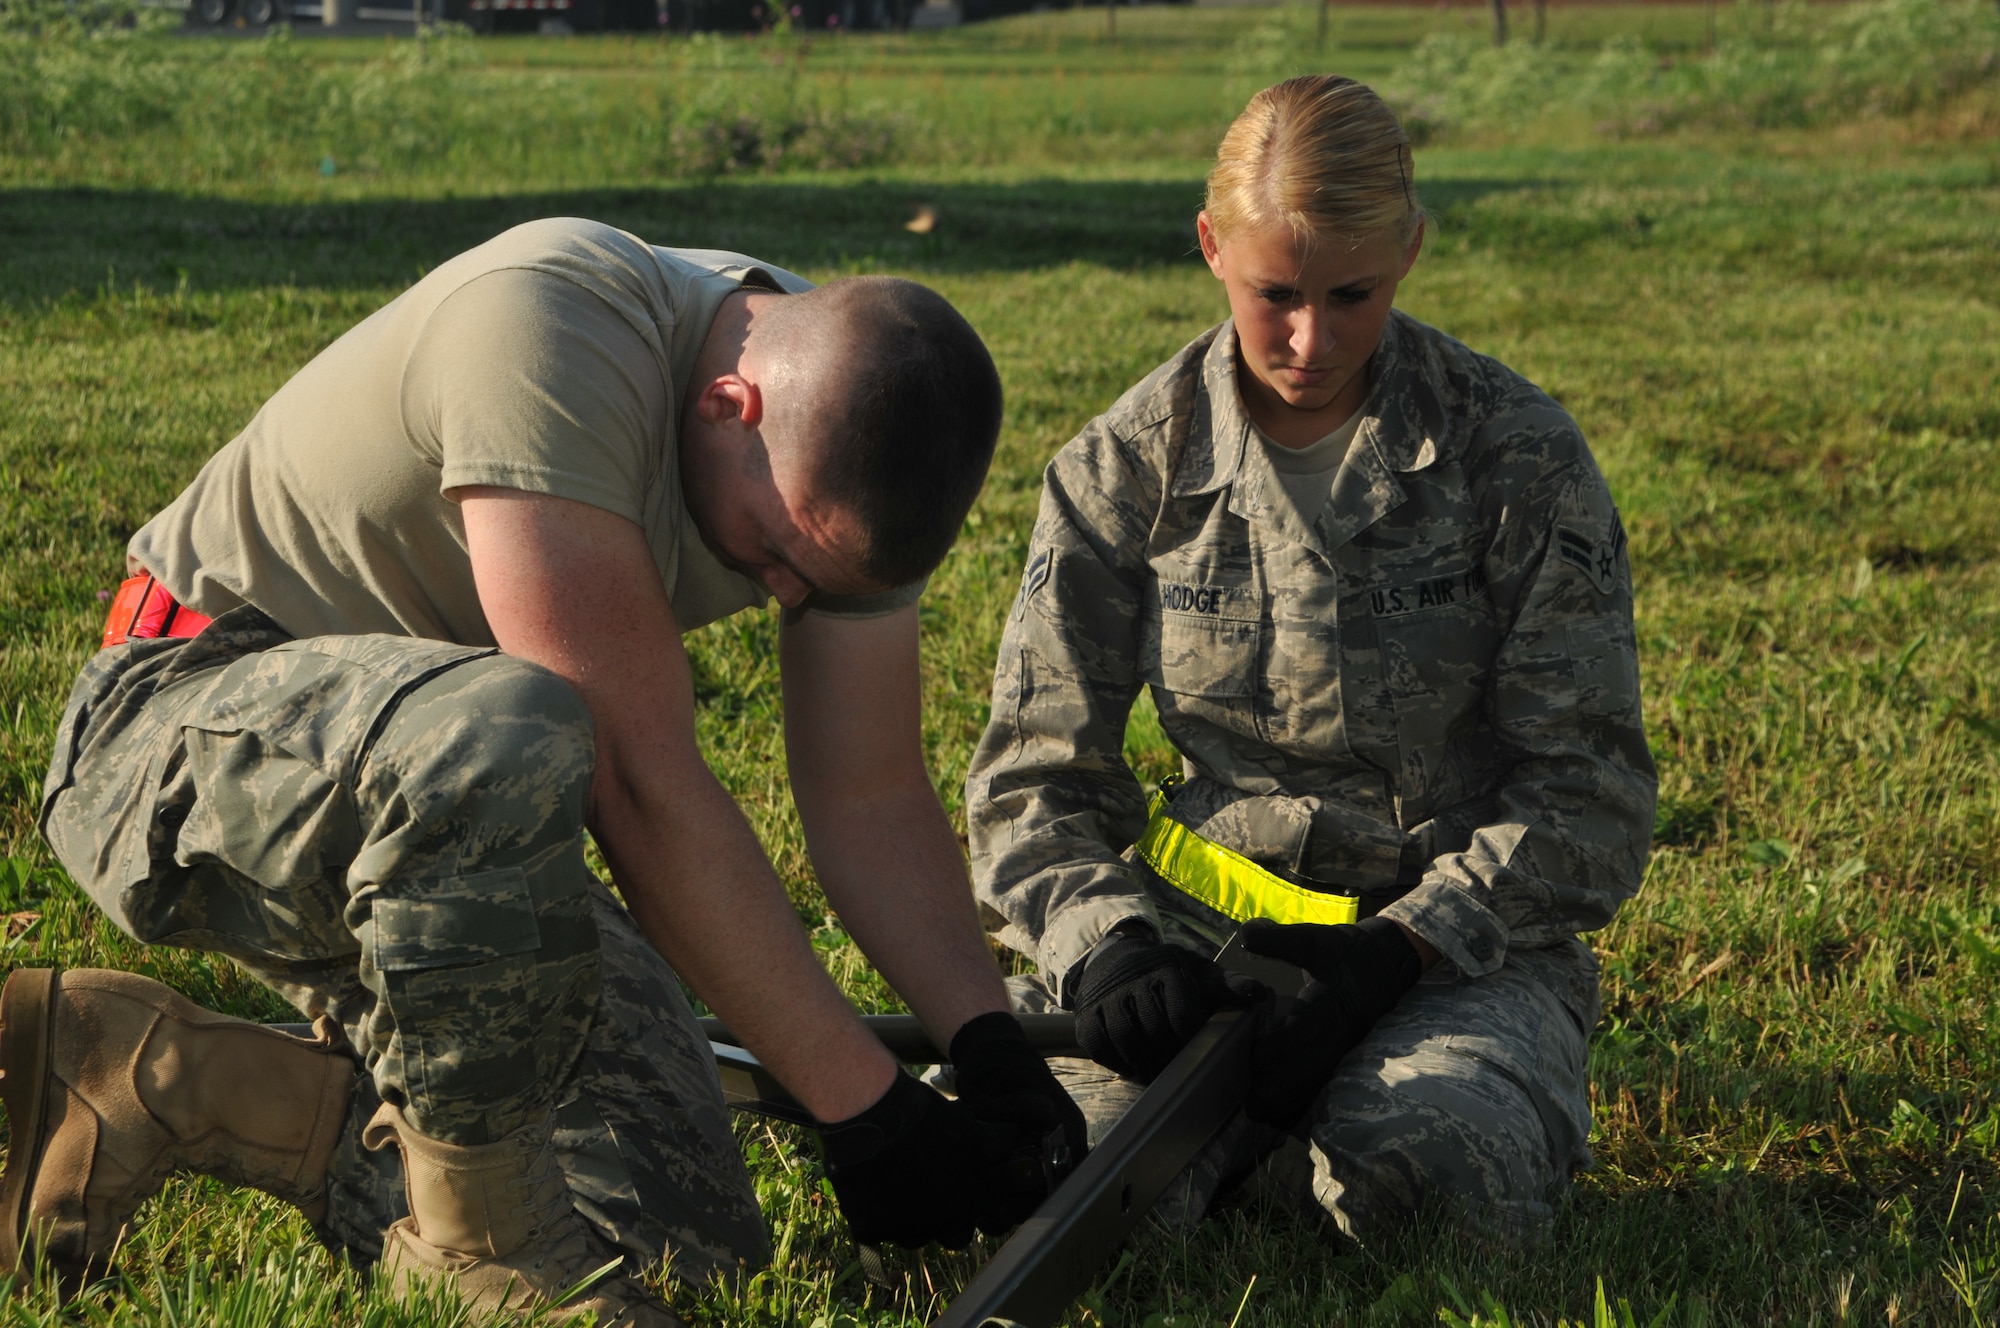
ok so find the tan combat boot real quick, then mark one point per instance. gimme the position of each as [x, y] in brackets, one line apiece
[112, 1082]
[497, 1219]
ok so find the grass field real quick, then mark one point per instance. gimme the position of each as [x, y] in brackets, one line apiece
[1783, 341]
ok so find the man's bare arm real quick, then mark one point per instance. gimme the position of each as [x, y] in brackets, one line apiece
[574, 589]
[882, 846]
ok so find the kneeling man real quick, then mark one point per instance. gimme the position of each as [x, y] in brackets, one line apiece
[380, 667]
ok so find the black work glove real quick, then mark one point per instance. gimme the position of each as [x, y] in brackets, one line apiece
[1002, 1079]
[1138, 1001]
[1359, 970]
[916, 1168]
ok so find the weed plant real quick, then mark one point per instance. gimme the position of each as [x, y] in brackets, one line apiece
[1780, 340]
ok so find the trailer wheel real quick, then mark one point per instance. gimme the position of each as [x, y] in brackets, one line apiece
[209, 13]
[258, 13]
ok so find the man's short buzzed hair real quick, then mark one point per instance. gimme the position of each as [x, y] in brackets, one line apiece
[914, 411]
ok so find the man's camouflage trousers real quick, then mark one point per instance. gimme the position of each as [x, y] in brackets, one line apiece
[390, 831]
[1468, 1101]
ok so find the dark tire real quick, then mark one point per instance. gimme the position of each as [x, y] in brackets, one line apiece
[210, 13]
[631, 16]
[259, 13]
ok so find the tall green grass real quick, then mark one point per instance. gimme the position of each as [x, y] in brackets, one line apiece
[87, 100]
[317, 118]
[1772, 65]
[138, 106]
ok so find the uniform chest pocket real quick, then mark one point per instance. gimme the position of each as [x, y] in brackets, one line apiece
[1199, 655]
[1437, 639]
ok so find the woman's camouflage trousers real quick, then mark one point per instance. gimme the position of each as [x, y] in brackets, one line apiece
[1469, 1099]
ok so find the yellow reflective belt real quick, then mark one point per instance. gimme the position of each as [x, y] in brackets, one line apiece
[1227, 881]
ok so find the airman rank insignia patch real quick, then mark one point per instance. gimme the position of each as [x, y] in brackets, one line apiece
[1032, 579]
[1596, 558]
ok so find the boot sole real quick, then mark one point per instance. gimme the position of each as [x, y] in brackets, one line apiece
[27, 1013]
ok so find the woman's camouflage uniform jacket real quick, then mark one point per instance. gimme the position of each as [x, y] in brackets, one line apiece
[1430, 697]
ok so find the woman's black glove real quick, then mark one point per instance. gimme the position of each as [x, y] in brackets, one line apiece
[1003, 1080]
[1138, 1001]
[916, 1168]
[1359, 970]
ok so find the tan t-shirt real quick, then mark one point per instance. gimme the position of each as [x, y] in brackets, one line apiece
[553, 359]
[1307, 473]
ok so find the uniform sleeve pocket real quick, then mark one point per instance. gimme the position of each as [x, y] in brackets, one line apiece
[443, 924]
[1210, 657]
[1604, 661]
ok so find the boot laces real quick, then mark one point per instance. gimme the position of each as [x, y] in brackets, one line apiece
[541, 1189]
[565, 1248]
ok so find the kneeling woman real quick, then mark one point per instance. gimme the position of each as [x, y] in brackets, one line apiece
[1378, 590]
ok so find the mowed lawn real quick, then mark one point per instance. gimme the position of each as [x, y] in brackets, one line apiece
[1783, 344]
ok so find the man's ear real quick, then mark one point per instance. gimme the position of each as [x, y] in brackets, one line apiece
[730, 397]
